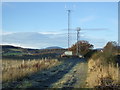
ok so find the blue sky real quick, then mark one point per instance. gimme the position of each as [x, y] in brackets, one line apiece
[51, 18]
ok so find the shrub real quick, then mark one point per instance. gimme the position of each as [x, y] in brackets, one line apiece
[108, 54]
[83, 47]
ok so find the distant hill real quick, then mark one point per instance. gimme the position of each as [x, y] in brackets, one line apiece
[98, 49]
[54, 47]
[9, 47]
[9, 51]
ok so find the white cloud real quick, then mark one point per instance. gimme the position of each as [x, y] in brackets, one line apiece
[5, 33]
[49, 32]
[34, 39]
[98, 42]
[2, 32]
[46, 39]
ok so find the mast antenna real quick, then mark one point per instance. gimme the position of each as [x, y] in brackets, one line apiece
[69, 11]
[77, 44]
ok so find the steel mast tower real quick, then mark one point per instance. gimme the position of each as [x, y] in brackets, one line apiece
[69, 11]
[77, 44]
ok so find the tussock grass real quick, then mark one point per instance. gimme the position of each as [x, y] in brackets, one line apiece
[16, 69]
[100, 74]
[103, 67]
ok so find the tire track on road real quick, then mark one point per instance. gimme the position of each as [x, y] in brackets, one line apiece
[75, 78]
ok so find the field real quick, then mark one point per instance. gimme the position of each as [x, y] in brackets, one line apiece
[16, 69]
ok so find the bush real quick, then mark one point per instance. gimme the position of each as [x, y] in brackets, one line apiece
[90, 53]
[83, 47]
[108, 54]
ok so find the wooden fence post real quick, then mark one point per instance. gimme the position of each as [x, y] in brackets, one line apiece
[117, 73]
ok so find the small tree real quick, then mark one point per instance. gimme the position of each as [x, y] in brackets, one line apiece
[110, 51]
[111, 48]
[83, 46]
[108, 55]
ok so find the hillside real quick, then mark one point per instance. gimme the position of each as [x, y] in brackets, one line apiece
[9, 51]
[54, 47]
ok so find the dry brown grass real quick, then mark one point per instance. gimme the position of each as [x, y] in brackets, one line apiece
[102, 75]
[16, 69]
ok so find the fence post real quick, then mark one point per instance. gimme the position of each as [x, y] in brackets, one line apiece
[117, 73]
[23, 62]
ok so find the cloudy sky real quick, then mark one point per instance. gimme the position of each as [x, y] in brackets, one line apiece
[44, 24]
